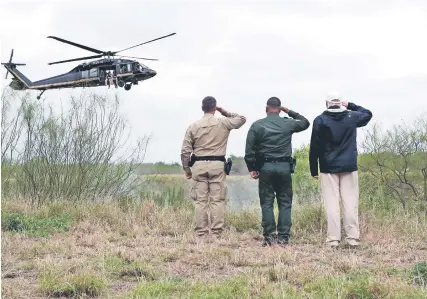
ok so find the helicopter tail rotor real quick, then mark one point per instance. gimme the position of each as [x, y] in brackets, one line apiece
[10, 63]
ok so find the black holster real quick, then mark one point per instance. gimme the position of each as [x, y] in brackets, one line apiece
[293, 164]
[192, 160]
[227, 166]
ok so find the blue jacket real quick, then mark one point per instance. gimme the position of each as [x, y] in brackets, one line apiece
[333, 139]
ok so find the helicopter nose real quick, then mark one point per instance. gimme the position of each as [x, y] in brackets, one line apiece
[152, 73]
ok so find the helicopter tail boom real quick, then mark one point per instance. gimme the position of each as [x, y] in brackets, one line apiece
[20, 81]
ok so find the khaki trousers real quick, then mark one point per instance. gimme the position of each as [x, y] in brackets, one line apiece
[344, 187]
[209, 182]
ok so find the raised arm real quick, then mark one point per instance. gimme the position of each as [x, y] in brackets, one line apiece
[186, 150]
[232, 120]
[300, 123]
[314, 151]
[364, 115]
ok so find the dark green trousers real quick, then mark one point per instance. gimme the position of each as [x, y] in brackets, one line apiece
[275, 181]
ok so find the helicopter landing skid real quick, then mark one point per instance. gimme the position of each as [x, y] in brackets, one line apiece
[38, 97]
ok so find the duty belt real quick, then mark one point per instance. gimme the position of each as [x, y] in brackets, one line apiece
[282, 159]
[210, 158]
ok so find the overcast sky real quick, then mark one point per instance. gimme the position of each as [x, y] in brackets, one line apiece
[374, 53]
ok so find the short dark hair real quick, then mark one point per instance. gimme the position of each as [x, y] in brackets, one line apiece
[274, 102]
[208, 104]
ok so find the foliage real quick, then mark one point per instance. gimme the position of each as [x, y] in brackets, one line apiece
[11, 125]
[83, 153]
[306, 188]
[54, 283]
[35, 225]
[419, 273]
[398, 158]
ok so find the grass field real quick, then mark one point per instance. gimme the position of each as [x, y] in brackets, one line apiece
[82, 218]
[146, 249]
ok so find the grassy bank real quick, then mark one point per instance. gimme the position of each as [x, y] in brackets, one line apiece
[146, 249]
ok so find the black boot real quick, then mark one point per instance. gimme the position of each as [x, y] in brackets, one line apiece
[269, 240]
[282, 242]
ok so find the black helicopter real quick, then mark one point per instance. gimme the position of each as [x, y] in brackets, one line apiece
[102, 72]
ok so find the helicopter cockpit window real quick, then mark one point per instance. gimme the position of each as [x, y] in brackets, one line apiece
[124, 68]
[138, 67]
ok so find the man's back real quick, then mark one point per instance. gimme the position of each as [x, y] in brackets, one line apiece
[267, 156]
[208, 136]
[334, 137]
[272, 136]
[333, 146]
[207, 140]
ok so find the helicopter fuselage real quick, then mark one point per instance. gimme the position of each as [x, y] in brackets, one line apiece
[124, 73]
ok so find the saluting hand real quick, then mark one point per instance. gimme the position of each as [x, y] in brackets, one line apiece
[284, 109]
[220, 110]
[345, 104]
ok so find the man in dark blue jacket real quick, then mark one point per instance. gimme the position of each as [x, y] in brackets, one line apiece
[333, 147]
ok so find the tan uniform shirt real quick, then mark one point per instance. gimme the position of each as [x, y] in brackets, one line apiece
[209, 135]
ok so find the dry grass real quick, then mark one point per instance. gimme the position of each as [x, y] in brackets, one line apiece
[147, 251]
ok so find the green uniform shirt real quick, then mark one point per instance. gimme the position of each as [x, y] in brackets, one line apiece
[272, 136]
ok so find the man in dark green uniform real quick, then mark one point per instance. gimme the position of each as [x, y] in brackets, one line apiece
[268, 157]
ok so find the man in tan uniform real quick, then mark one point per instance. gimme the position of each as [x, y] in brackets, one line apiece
[207, 140]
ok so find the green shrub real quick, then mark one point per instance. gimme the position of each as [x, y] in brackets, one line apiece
[54, 283]
[35, 225]
[419, 273]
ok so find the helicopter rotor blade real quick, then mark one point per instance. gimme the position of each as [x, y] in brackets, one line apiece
[153, 59]
[10, 60]
[77, 45]
[76, 59]
[145, 43]
[7, 63]
[7, 72]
